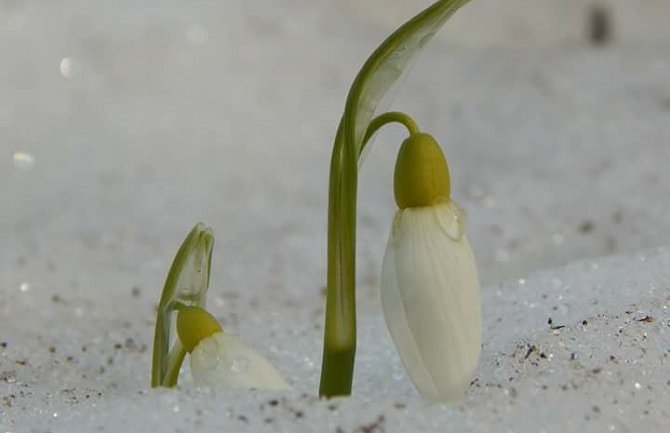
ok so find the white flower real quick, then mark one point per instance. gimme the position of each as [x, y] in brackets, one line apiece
[430, 287]
[219, 359]
[222, 360]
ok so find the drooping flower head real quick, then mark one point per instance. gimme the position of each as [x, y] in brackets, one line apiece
[219, 359]
[430, 285]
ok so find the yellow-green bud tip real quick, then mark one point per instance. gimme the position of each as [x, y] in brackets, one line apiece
[194, 324]
[421, 175]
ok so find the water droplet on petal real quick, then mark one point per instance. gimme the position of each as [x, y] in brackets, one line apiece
[240, 364]
[210, 353]
[452, 219]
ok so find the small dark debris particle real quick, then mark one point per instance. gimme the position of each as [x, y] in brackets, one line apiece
[573, 356]
[22, 362]
[52, 349]
[646, 319]
[600, 31]
[399, 405]
[531, 349]
[243, 418]
[612, 358]
[550, 321]
[299, 414]
[374, 427]
[543, 355]
[556, 327]
[596, 409]
[339, 430]
[130, 344]
[332, 407]
[84, 348]
[135, 291]
[273, 402]
[56, 299]
[596, 370]
[587, 227]
[118, 346]
[3, 344]
[69, 358]
[584, 322]
[269, 420]
[544, 387]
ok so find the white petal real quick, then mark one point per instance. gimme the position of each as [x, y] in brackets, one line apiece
[221, 360]
[430, 298]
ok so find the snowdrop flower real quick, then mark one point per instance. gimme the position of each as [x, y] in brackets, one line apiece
[429, 285]
[220, 359]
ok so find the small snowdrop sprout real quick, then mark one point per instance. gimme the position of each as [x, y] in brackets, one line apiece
[216, 358]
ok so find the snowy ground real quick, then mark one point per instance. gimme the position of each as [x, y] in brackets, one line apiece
[142, 120]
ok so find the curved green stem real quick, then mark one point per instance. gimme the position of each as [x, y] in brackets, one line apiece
[340, 330]
[385, 119]
[175, 358]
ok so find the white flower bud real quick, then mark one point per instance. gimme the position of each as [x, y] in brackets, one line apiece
[221, 360]
[430, 298]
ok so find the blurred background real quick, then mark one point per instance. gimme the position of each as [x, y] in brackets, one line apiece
[123, 123]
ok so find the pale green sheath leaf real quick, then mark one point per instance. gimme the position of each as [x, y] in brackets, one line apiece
[186, 284]
[384, 68]
[388, 64]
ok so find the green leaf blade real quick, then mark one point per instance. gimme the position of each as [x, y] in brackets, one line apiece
[187, 283]
[388, 64]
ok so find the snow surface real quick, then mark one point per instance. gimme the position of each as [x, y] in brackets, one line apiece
[122, 125]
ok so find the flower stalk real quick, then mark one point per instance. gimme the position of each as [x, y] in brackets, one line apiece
[359, 122]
